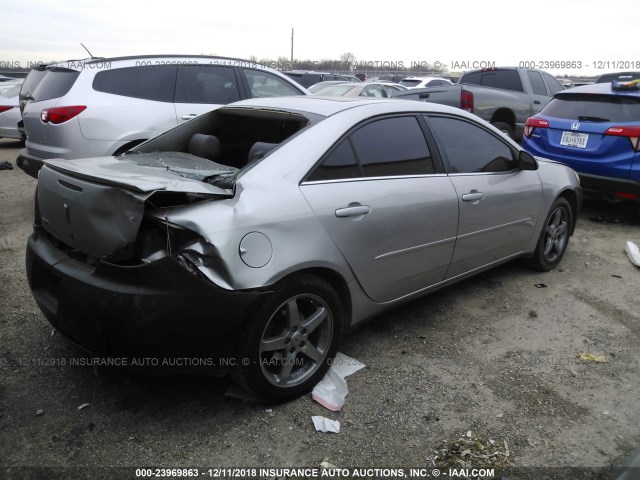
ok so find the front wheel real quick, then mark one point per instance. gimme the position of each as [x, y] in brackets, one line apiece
[554, 237]
[287, 346]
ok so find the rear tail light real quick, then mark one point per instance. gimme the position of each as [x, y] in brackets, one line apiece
[626, 196]
[59, 115]
[4, 109]
[466, 100]
[533, 122]
[632, 133]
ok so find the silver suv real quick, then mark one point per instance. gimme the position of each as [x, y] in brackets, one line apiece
[105, 106]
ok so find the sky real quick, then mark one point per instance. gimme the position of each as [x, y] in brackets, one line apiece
[576, 37]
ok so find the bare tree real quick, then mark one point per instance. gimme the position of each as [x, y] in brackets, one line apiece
[348, 58]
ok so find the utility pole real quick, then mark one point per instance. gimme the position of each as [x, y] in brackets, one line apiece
[292, 48]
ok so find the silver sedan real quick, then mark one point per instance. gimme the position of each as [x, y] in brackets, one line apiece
[249, 239]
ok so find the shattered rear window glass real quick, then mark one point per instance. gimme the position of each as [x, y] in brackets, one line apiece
[183, 164]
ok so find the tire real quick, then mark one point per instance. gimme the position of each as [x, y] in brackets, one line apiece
[278, 356]
[504, 128]
[554, 237]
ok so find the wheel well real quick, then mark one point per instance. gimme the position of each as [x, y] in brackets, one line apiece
[572, 198]
[128, 145]
[504, 115]
[337, 282]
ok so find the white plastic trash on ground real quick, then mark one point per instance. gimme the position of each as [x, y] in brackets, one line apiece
[633, 253]
[332, 390]
[325, 425]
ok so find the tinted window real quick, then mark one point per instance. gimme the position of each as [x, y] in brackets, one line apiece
[32, 81]
[264, 84]
[469, 148]
[206, 84]
[392, 146]
[148, 82]
[592, 107]
[505, 79]
[56, 83]
[409, 83]
[553, 85]
[537, 84]
[340, 163]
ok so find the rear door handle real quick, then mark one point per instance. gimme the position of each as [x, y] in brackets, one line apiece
[353, 211]
[472, 197]
[537, 102]
[424, 95]
[189, 117]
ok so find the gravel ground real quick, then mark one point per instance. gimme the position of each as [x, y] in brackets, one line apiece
[495, 356]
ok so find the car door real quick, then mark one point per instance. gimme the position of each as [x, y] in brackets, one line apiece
[498, 203]
[387, 206]
[202, 88]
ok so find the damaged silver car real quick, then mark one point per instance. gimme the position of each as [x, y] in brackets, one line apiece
[249, 239]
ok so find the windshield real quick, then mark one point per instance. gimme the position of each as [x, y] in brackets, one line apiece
[337, 90]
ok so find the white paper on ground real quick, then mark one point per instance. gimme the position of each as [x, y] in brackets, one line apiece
[633, 253]
[345, 366]
[324, 424]
[332, 390]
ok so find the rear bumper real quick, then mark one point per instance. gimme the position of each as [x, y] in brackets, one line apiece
[30, 164]
[609, 184]
[156, 311]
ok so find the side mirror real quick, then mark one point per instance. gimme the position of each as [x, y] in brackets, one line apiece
[526, 161]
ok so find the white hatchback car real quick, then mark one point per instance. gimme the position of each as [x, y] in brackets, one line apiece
[106, 106]
[422, 82]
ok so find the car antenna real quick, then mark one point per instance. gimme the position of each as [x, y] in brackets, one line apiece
[90, 54]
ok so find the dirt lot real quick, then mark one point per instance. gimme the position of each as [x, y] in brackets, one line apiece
[495, 356]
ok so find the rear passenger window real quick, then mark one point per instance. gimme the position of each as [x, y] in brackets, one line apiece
[339, 164]
[468, 148]
[553, 85]
[392, 146]
[146, 82]
[505, 79]
[537, 84]
[206, 84]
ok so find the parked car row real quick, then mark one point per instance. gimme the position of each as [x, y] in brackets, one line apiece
[254, 234]
[81, 109]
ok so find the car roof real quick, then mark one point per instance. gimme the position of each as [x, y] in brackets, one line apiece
[135, 60]
[599, 88]
[327, 106]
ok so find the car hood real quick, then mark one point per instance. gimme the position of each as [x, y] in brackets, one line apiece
[148, 172]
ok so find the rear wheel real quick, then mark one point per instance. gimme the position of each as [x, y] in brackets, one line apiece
[287, 346]
[504, 128]
[554, 237]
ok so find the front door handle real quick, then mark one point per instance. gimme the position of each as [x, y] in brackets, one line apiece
[353, 211]
[472, 197]
[537, 102]
[189, 117]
